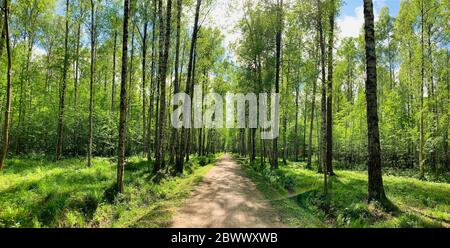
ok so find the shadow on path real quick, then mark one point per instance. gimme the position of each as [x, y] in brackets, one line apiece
[226, 198]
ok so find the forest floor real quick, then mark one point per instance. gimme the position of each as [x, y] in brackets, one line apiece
[297, 194]
[36, 192]
[226, 198]
[232, 192]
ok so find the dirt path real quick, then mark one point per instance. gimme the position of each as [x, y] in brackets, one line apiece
[226, 198]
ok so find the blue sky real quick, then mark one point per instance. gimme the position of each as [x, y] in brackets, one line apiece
[350, 5]
[227, 12]
[351, 17]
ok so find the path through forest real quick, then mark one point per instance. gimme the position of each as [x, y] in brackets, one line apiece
[226, 198]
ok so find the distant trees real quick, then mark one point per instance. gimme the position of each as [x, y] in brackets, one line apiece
[30, 15]
[341, 133]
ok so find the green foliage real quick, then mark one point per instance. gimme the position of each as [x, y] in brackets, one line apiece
[275, 177]
[205, 160]
[356, 215]
[38, 193]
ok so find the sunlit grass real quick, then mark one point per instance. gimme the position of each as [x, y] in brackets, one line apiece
[418, 203]
[39, 193]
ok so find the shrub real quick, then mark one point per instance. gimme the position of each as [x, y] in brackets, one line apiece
[355, 215]
[408, 221]
[110, 193]
[86, 205]
[205, 160]
[202, 160]
[73, 219]
[288, 182]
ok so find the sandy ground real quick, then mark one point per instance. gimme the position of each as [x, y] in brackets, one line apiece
[226, 198]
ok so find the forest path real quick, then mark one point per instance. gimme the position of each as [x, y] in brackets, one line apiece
[226, 198]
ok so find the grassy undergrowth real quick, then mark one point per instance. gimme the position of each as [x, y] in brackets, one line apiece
[298, 196]
[39, 193]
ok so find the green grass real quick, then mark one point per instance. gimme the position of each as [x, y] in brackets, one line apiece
[300, 200]
[39, 193]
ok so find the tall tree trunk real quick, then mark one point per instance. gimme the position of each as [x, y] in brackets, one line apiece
[63, 89]
[421, 110]
[193, 81]
[2, 28]
[201, 131]
[324, 102]
[48, 67]
[285, 119]
[184, 142]
[21, 114]
[329, 157]
[349, 80]
[305, 113]
[6, 121]
[158, 79]
[391, 72]
[376, 189]
[144, 87]
[162, 78]
[192, 134]
[277, 74]
[284, 139]
[446, 158]
[91, 86]
[433, 105]
[313, 107]
[130, 83]
[253, 144]
[176, 83]
[123, 101]
[297, 95]
[29, 86]
[105, 85]
[152, 80]
[411, 153]
[77, 64]
[319, 143]
[260, 83]
[113, 85]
